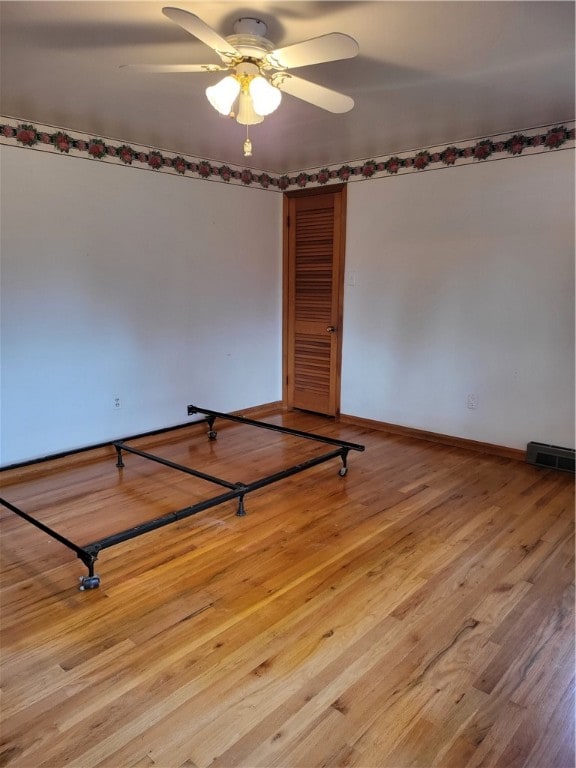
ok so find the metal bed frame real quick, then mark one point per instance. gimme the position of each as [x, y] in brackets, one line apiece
[88, 553]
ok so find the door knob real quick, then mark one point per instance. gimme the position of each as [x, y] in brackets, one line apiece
[331, 329]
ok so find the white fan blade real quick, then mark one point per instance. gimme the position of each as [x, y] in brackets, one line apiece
[322, 97]
[195, 26]
[174, 67]
[331, 47]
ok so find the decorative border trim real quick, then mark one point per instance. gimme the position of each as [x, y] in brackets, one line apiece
[501, 146]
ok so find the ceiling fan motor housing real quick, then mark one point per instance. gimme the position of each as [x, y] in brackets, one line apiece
[250, 26]
[249, 38]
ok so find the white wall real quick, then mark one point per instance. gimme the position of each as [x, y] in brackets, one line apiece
[165, 291]
[464, 285]
[119, 282]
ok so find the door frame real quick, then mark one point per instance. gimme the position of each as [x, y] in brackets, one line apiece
[338, 285]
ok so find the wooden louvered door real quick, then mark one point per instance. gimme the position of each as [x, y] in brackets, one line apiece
[314, 242]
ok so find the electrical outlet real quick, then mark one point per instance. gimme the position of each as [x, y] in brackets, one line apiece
[472, 401]
[116, 402]
[351, 278]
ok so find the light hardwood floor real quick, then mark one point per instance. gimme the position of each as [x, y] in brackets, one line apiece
[418, 612]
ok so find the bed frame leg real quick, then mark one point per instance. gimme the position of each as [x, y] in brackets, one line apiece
[92, 581]
[343, 471]
[240, 512]
[119, 460]
[212, 434]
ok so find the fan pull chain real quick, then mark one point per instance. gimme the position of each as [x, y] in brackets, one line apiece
[247, 145]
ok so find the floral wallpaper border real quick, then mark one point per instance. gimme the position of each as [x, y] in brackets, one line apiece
[15, 132]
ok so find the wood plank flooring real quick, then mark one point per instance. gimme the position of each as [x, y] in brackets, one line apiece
[417, 612]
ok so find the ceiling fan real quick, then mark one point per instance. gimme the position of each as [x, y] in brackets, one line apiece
[258, 72]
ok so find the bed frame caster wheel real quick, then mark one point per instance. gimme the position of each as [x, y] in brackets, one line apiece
[89, 582]
[343, 471]
[212, 434]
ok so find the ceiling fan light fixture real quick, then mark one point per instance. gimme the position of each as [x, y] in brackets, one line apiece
[265, 97]
[246, 113]
[223, 95]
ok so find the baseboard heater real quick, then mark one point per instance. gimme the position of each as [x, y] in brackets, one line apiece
[550, 456]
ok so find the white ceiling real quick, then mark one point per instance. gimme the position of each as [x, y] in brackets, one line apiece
[428, 74]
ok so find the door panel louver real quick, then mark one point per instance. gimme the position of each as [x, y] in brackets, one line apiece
[313, 265]
[312, 363]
